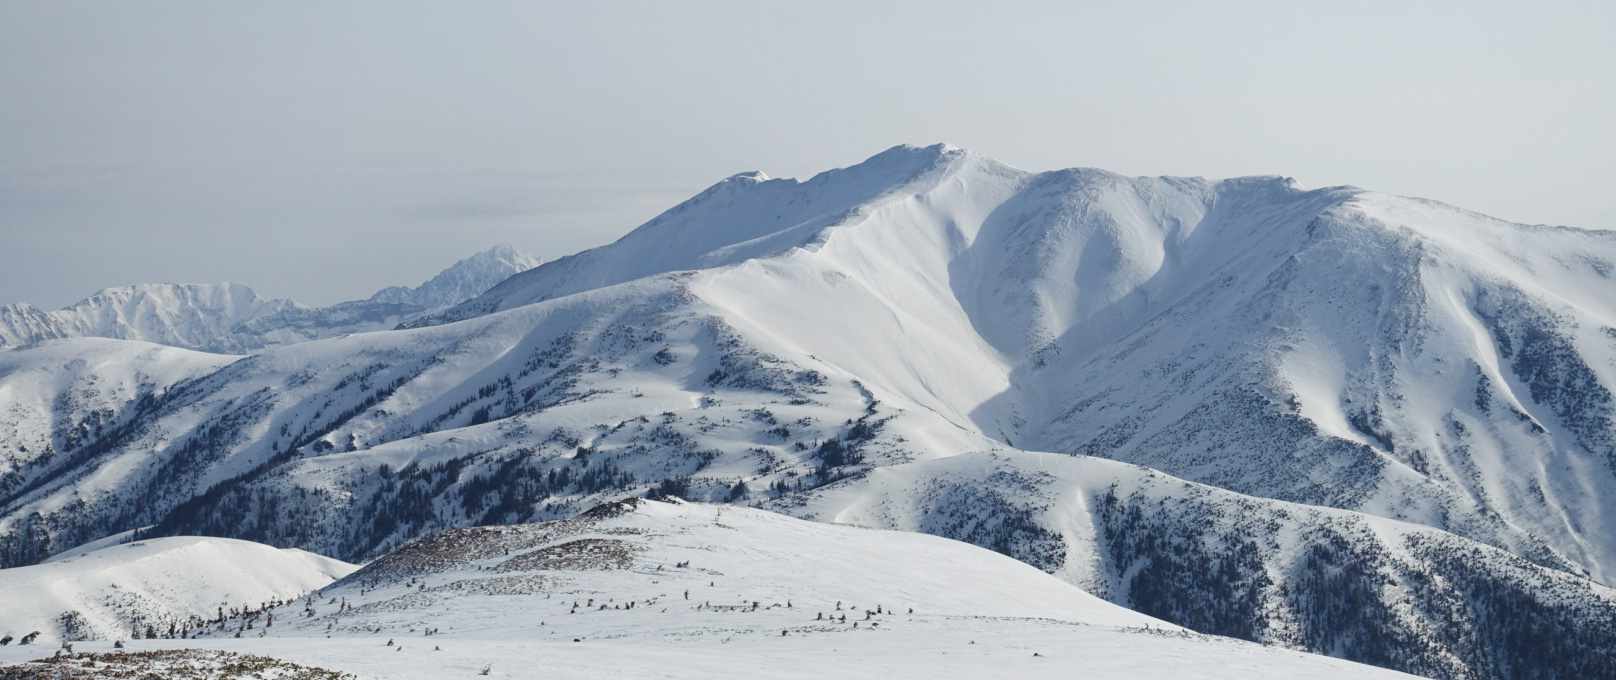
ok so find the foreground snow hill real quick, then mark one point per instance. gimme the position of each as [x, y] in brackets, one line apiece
[231, 318]
[141, 588]
[1308, 360]
[642, 588]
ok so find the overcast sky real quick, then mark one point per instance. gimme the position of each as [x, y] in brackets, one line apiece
[320, 151]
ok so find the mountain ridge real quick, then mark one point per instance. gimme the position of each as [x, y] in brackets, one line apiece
[230, 318]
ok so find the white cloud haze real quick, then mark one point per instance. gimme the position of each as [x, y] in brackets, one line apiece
[319, 151]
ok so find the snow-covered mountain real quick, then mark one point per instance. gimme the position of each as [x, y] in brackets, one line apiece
[146, 588]
[231, 318]
[1334, 347]
[462, 281]
[180, 315]
[1348, 392]
[696, 590]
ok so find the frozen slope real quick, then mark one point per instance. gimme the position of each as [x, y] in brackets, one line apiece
[122, 591]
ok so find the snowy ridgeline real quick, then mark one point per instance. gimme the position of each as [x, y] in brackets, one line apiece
[231, 318]
[694, 590]
[1375, 427]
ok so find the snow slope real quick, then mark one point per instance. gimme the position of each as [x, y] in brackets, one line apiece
[772, 340]
[108, 593]
[671, 589]
[231, 318]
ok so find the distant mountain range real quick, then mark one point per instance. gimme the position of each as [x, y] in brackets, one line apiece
[1362, 425]
[231, 318]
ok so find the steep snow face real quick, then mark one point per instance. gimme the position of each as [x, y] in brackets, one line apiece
[121, 591]
[1399, 357]
[463, 280]
[230, 318]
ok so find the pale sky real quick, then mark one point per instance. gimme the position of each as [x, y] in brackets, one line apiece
[323, 150]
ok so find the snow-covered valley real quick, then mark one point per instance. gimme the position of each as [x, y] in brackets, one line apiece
[1366, 426]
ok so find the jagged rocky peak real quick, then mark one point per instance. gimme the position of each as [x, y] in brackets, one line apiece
[463, 280]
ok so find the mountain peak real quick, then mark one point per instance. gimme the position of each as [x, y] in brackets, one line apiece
[937, 150]
[463, 280]
[904, 162]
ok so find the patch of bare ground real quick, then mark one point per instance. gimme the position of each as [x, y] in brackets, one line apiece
[170, 664]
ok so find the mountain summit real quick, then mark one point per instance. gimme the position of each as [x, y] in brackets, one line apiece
[463, 280]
